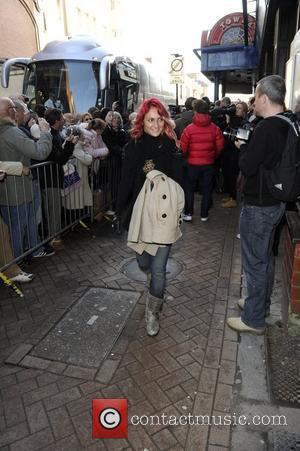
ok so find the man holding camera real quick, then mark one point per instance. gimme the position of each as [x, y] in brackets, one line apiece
[261, 212]
[52, 178]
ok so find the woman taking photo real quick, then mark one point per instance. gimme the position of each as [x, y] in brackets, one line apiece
[148, 157]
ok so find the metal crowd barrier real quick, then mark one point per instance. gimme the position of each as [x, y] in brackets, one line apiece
[106, 179]
[35, 209]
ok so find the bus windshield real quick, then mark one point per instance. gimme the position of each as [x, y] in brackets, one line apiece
[73, 84]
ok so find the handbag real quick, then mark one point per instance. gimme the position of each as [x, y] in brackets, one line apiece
[72, 179]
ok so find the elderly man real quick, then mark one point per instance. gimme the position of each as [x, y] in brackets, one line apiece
[16, 206]
[13, 272]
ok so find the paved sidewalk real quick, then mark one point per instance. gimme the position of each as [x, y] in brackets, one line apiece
[190, 367]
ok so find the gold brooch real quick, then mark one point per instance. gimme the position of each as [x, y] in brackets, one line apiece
[148, 166]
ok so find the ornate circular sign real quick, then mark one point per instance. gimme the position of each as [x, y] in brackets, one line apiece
[230, 30]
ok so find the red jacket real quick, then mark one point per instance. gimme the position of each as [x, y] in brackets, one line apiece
[201, 141]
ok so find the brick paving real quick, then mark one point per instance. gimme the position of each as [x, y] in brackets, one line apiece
[188, 368]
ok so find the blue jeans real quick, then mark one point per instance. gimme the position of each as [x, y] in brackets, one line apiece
[194, 174]
[21, 221]
[257, 228]
[157, 266]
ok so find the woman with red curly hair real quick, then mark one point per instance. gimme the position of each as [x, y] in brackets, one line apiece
[152, 146]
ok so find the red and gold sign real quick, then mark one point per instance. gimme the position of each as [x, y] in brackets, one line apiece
[230, 30]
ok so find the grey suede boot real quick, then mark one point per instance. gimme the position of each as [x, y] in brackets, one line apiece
[153, 307]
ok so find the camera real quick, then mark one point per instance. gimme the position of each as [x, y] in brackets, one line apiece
[218, 115]
[221, 111]
[74, 130]
[235, 134]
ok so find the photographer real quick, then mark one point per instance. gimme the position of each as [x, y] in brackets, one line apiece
[261, 211]
[220, 115]
[230, 165]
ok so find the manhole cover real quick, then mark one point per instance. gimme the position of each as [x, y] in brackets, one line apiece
[284, 365]
[88, 332]
[132, 270]
[283, 441]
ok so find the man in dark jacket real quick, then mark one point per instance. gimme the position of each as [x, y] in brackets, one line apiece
[53, 177]
[186, 117]
[261, 212]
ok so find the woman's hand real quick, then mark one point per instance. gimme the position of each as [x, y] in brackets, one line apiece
[25, 170]
[72, 138]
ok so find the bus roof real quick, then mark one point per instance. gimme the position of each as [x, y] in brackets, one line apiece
[83, 48]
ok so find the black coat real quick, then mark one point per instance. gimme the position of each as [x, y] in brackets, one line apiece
[54, 176]
[115, 141]
[146, 151]
[264, 149]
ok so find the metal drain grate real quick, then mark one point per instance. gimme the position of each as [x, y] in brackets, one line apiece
[283, 441]
[284, 365]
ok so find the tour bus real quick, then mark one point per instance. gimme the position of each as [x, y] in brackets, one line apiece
[80, 73]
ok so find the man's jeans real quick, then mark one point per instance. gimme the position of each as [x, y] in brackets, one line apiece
[257, 228]
[157, 265]
[194, 174]
[22, 221]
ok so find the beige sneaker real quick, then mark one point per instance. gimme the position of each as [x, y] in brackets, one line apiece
[238, 325]
[231, 203]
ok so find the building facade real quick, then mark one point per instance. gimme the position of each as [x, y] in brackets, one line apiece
[28, 25]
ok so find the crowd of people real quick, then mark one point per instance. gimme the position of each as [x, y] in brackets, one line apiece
[60, 159]
[158, 164]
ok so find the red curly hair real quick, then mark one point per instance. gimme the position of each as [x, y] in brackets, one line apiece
[144, 108]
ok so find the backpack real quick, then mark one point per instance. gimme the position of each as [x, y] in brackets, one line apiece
[283, 180]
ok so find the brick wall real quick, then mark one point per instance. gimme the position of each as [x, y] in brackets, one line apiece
[295, 282]
[291, 275]
[18, 32]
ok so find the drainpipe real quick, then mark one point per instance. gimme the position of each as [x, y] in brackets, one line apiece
[245, 15]
[65, 18]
